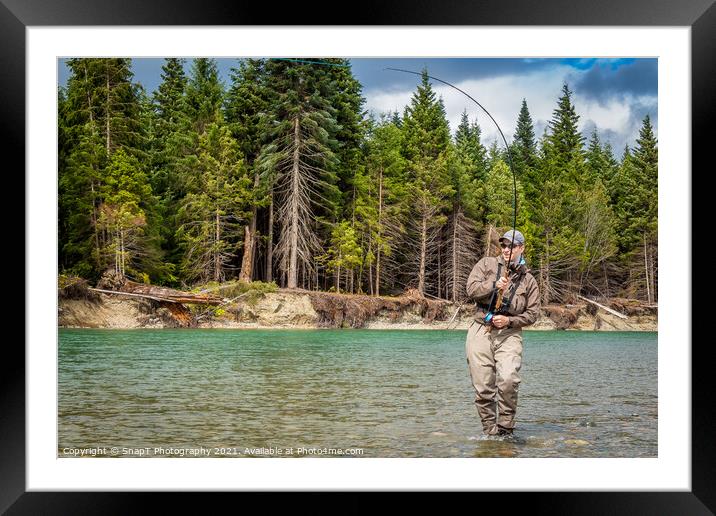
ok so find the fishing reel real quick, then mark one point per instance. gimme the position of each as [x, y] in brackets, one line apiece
[491, 313]
[493, 309]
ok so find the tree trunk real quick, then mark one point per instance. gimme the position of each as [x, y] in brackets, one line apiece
[370, 271]
[217, 254]
[269, 244]
[423, 252]
[362, 262]
[248, 258]
[545, 275]
[107, 115]
[121, 252]
[454, 255]
[247, 262]
[116, 252]
[380, 232]
[293, 223]
[646, 272]
[303, 274]
[94, 224]
[654, 290]
[440, 266]
[90, 109]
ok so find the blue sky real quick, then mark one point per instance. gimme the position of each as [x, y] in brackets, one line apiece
[613, 94]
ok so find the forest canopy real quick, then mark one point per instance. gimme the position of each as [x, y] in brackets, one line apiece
[283, 176]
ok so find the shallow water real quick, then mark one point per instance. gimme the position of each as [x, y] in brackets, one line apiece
[376, 393]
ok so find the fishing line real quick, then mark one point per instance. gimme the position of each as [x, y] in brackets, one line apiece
[323, 63]
[507, 147]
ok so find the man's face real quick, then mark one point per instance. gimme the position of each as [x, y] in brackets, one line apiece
[516, 251]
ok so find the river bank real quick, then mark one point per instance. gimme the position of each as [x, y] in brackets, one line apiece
[310, 310]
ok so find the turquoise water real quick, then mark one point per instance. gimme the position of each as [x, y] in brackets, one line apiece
[366, 393]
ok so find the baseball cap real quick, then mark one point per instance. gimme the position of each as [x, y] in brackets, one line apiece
[507, 237]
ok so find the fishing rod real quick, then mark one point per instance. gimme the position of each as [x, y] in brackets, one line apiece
[498, 302]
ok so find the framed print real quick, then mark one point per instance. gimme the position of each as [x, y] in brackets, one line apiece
[653, 454]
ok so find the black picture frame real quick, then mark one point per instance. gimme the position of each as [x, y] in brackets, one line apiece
[17, 15]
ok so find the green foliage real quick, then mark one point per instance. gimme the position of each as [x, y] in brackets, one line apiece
[344, 252]
[470, 151]
[498, 192]
[249, 293]
[524, 148]
[214, 207]
[564, 143]
[162, 187]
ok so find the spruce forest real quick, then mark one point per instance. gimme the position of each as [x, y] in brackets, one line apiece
[282, 176]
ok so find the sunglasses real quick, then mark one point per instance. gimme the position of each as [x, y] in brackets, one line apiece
[505, 246]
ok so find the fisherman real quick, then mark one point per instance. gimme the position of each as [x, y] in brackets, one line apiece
[507, 300]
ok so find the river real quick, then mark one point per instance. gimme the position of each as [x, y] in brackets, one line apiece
[358, 393]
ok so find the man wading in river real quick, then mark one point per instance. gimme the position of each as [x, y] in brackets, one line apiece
[506, 302]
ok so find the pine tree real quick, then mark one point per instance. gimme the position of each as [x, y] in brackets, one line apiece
[170, 118]
[173, 154]
[426, 138]
[628, 197]
[500, 196]
[215, 208]
[646, 161]
[467, 174]
[596, 159]
[169, 96]
[610, 165]
[299, 163]
[524, 151]
[382, 208]
[565, 143]
[122, 215]
[204, 93]
[344, 93]
[495, 154]
[100, 113]
[79, 198]
[245, 102]
[524, 141]
[344, 254]
[109, 100]
[469, 148]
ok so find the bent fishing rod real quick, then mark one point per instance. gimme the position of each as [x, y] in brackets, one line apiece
[498, 302]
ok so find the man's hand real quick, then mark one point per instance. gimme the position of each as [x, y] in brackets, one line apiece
[500, 321]
[502, 283]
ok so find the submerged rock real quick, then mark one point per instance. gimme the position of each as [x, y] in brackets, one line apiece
[577, 442]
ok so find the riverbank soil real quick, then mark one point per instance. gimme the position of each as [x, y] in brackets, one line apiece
[297, 308]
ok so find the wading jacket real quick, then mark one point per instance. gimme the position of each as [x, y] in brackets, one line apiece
[522, 291]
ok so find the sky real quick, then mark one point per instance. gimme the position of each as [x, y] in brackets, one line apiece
[612, 94]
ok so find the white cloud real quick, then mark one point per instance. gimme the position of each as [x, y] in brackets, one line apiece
[502, 97]
[613, 115]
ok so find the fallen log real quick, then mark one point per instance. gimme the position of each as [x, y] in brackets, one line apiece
[179, 299]
[120, 293]
[170, 293]
[614, 312]
[203, 300]
[112, 282]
